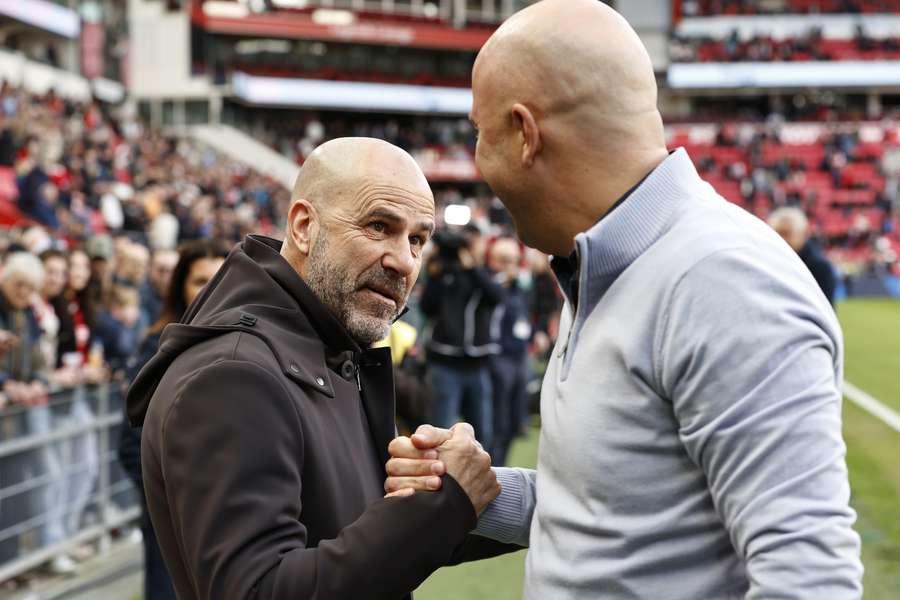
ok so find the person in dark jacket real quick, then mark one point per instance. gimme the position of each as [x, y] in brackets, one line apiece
[197, 263]
[460, 301]
[791, 224]
[267, 416]
[510, 369]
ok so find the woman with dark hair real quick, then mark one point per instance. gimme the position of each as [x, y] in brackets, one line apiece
[198, 262]
[75, 308]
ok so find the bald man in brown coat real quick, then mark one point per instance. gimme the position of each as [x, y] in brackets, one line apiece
[266, 415]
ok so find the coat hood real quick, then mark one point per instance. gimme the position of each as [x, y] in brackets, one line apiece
[256, 292]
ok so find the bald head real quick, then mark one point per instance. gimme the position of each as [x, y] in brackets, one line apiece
[505, 257]
[565, 100]
[339, 166]
[571, 56]
[791, 224]
[360, 216]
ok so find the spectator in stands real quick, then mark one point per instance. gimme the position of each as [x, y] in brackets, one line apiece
[79, 303]
[197, 263]
[79, 350]
[792, 225]
[459, 301]
[153, 290]
[102, 257]
[119, 328]
[132, 262]
[510, 369]
[55, 280]
[58, 340]
[24, 376]
[38, 197]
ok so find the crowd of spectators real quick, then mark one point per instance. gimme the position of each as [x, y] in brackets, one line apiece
[702, 8]
[838, 180]
[297, 134]
[852, 205]
[94, 208]
[764, 48]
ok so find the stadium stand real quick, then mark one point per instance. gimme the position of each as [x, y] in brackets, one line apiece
[810, 47]
[780, 7]
[834, 173]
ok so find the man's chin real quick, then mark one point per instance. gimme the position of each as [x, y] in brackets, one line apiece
[367, 329]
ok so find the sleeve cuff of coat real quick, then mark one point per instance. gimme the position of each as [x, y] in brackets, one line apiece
[503, 519]
[460, 500]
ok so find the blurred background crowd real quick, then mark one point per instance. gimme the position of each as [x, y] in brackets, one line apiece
[141, 140]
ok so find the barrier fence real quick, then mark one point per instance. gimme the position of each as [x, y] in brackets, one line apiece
[61, 484]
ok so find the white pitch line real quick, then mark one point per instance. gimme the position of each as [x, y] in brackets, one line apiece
[883, 413]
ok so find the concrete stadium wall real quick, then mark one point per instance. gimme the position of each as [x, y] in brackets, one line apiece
[160, 54]
[652, 20]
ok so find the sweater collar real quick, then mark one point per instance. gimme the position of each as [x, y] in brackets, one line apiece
[605, 250]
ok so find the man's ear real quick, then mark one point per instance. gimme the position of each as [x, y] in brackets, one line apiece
[302, 225]
[529, 133]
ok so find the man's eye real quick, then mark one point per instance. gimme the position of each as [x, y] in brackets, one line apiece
[417, 240]
[378, 226]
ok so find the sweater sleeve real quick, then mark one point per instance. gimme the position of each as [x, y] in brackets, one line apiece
[508, 518]
[751, 357]
[233, 472]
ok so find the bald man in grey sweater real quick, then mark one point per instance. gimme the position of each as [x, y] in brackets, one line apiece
[691, 441]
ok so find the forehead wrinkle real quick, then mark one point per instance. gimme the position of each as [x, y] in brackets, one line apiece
[370, 195]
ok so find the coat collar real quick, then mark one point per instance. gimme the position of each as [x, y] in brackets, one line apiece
[266, 252]
[256, 284]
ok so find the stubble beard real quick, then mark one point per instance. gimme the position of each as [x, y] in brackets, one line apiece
[337, 289]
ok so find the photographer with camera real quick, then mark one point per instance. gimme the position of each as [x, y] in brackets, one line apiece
[460, 301]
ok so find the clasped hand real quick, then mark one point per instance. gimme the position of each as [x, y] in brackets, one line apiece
[418, 463]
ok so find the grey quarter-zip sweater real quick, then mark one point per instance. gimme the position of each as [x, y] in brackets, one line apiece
[691, 442]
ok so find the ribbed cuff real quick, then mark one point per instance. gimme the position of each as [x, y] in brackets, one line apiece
[505, 518]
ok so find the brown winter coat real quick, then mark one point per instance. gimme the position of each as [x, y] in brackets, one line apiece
[265, 433]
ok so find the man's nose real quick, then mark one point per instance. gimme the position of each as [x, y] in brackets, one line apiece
[399, 258]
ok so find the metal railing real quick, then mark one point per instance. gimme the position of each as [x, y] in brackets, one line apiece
[61, 484]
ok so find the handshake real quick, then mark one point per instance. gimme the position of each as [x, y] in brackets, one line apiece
[419, 461]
